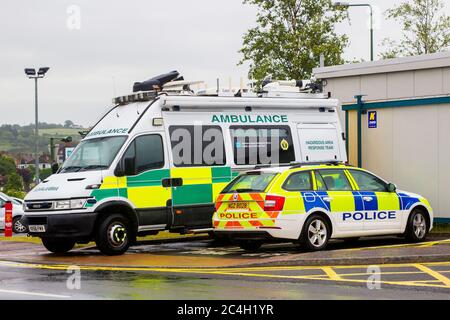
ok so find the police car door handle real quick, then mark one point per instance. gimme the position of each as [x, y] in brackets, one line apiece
[367, 198]
[327, 199]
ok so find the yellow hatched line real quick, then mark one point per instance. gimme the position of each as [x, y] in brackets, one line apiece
[434, 274]
[331, 273]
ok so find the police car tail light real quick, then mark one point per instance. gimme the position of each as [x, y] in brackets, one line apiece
[274, 203]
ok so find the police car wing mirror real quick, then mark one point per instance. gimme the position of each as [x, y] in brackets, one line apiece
[129, 166]
[391, 187]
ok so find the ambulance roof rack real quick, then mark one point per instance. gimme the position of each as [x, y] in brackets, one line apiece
[173, 84]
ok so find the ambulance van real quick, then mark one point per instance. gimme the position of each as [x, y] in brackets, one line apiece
[159, 157]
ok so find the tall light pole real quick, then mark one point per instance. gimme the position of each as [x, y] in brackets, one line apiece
[31, 74]
[346, 5]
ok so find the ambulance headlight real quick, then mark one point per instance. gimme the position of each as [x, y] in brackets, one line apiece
[69, 204]
[77, 203]
[63, 204]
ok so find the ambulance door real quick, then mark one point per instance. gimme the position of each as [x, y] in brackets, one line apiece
[337, 194]
[382, 208]
[318, 142]
[198, 155]
[144, 187]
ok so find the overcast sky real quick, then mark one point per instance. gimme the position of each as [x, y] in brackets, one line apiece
[119, 42]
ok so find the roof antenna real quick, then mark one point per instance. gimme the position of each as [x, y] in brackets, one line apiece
[218, 86]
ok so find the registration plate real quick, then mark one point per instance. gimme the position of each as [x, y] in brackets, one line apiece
[238, 205]
[37, 228]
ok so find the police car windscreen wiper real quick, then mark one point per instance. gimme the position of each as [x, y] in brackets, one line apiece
[94, 166]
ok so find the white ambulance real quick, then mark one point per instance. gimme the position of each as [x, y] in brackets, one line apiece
[159, 157]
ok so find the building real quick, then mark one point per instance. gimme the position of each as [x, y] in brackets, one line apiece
[397, 121]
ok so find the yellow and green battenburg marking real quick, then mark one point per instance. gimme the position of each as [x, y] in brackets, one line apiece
[201, 185]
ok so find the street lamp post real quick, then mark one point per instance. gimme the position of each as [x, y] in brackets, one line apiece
[346, 5]
[31, 74]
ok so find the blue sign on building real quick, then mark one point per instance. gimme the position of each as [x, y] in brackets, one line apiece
[372, 119]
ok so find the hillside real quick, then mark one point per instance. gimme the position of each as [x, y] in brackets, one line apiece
[20, 139]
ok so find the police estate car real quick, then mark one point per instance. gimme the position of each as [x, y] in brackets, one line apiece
[311, 204]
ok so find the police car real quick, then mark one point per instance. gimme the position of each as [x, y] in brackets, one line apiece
[313, 203]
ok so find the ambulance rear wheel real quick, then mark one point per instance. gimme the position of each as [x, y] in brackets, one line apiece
[113, 235]
[315, 233]
[417, 227]
[58, 245]
[250, 245]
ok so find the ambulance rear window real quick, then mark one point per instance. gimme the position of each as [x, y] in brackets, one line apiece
[251, 182]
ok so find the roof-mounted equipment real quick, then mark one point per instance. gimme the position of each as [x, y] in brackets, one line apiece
[156, 83]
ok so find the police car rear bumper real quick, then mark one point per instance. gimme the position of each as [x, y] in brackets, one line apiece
[245, 235]
[77, 226]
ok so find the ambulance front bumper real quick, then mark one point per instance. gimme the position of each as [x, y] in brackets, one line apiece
[74, 225]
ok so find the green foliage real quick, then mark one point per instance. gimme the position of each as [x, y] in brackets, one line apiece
[45, 173]
[7, 165]
[290, 36]
[426, 29]
[14, 184]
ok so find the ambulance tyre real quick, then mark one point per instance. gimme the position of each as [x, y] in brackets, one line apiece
[113, 235]
[315, 234]
[417, 227]
[250, 245]
[58, 245]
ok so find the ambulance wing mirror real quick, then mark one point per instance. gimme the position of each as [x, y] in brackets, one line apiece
[55, 168]
[391, 187]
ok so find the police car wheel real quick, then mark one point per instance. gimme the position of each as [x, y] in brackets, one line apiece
[18, 227]
[113, 235]
[58, 245]
[315, 234]
[250, 245]
[417, 227]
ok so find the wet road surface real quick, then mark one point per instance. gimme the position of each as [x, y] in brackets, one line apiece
[21, 282]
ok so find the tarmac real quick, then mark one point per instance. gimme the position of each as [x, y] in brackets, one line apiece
[197, 252]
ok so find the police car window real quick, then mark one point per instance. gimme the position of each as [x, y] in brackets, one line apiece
[262, 144]
[335, 180]
[299, 181]
[194, 146]
[368, 182]
[320, 183]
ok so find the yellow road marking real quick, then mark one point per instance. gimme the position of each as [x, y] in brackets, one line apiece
[434, 274]
[421, 244]
[331, 273]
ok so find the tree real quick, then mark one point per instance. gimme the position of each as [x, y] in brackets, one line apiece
[68, 124]
[290, 37]
[426, 29]
[14, 186]
[7, 165]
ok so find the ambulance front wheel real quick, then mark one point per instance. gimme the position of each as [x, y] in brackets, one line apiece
[250, 245]
[113, 235]
[315, 233]
[58, 245]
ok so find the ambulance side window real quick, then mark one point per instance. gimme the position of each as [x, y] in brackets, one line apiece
[335, 180]
[368, 182]
[147, 152]
[254, 144]
[197, 146]
[299, 181]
